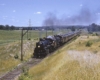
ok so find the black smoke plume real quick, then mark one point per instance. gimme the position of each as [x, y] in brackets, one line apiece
[84, 17]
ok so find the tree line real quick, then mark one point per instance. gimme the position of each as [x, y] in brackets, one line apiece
[7, 27]
[91, 28]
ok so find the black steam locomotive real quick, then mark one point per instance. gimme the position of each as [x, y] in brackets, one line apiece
[51, 43]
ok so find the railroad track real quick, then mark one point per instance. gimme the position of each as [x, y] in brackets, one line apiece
[11, 75]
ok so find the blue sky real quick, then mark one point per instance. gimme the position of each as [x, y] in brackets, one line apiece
[18, 12]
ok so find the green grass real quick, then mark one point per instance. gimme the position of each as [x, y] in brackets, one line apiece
[15, 35]
[74, 61]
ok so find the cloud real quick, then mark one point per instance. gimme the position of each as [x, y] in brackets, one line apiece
[38, 12]
[14, 10]
[2, 4]
[81, 5]
[98, 13]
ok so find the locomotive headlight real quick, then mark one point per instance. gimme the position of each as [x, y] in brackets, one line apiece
[38, 46]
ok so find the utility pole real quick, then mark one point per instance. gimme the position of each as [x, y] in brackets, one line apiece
[22, 45]
[22, 35]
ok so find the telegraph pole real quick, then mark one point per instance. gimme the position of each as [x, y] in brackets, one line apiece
[22, 45]
[22, 35]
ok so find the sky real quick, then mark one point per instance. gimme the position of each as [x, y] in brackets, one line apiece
[18, 12]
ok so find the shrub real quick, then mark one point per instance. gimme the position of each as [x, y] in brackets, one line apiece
[29, 38]
[96, 34]
[21, 77]
[16, 56]
[93, 34]
[25, 70]
[79, 42]
[88, 44]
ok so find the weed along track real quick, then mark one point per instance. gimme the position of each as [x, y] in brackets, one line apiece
[19, 69]
[14, 73]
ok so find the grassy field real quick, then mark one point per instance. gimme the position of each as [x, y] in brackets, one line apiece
[15, 35]
[10, 47]
[7, 36]
[75, 61]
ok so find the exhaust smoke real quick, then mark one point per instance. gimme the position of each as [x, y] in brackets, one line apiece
[84, 17]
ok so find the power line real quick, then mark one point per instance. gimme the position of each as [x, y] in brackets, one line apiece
[29, 28]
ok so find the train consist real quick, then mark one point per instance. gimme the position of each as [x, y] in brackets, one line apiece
[51, 43]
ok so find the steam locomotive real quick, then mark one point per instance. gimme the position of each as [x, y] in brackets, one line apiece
[51, 43]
